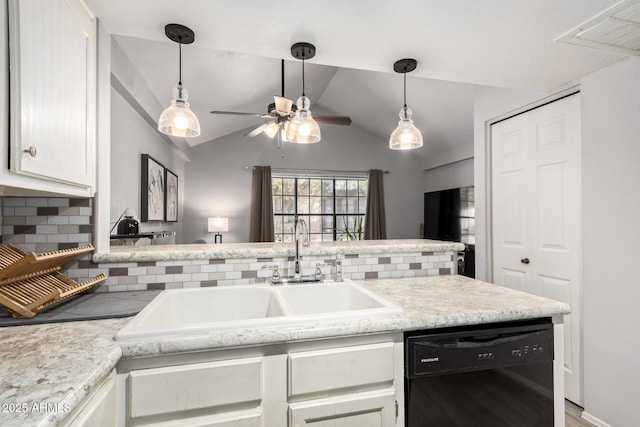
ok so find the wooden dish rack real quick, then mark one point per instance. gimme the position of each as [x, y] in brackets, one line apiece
[30, 282]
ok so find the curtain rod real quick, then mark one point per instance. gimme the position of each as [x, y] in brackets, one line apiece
[319, 170]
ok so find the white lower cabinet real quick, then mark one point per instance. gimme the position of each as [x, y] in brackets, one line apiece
[351, 382]
[368, 409]
[98, 409]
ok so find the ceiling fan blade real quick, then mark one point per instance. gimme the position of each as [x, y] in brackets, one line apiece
[237, 113]
[333, 120]
[256, 131]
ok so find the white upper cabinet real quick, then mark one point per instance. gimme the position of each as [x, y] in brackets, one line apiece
[52, 47]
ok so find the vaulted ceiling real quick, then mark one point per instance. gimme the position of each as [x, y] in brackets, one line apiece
[235, 62]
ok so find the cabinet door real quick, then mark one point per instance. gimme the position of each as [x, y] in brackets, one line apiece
[53, 90]
[369, 409]
[100, 407]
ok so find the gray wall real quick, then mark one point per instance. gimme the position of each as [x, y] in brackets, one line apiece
[218, 184]
[610, 291]
[452, 175]
[132, 136]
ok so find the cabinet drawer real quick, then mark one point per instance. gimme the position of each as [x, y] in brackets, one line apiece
[324, 370]
[202, 385]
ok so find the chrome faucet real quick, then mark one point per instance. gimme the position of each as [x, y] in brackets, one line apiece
[305, 242]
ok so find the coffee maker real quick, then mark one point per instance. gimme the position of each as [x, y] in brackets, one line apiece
[128, 225]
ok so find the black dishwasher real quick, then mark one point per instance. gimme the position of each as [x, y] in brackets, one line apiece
[485, 375]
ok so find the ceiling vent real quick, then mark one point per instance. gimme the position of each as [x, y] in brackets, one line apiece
[617, 29]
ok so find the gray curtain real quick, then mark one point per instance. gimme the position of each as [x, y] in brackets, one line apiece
[374, 220]
[261, 227]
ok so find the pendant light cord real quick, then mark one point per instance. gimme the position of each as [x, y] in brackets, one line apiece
[303, 75]
[405, 89]
[179, 64]
[282, 77]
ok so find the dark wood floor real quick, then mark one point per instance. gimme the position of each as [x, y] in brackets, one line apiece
[572, 416]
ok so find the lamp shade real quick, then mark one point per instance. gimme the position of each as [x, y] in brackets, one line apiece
[218, 224]
[406, 136]
[303, 129]
[178, 119]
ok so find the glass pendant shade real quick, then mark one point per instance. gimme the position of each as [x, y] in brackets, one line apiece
[406, 136]
[303, 129]
[178, 119]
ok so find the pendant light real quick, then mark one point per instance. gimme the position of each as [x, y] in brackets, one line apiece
[178, 119]
[303, 129]
[406, 136]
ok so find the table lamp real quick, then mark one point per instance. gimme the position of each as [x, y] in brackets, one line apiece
[217, 225]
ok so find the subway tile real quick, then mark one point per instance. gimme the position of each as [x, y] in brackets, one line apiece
[249, 274]
[127, 280]
[57, 238]
[58, 201]
[47, 211]
[191, 269]
[79, 220]
[67, 229]
[137, 287]
[148, 279]
[14, 201]
[174, 269]
[155, 286]
[182, 278]
[351, 255]
[444, 271]
[144, 263]
[384, 260]
[47, 229]
[225, 282]
[17, 220]
[199, 276]
[415, 266]
[241, 282]
[156, 270]
[173, 285]
[125, 264]
[24, 229]
[26, 211]
[118, 271]
[138, 271]
[79, 202]
[208, 283]
[35, 238]
[46, 247]
[188, 285]
[8, 211]
[58, 220]
[85, 228]
[233, 275]
[216, 261]
[371, 275]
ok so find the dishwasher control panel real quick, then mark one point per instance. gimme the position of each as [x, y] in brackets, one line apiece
[471, 350]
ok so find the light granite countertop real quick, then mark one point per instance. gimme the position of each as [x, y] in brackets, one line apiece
[61, 363]
[268, 250]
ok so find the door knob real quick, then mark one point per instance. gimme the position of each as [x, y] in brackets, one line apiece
[525, 260]
[31, 150]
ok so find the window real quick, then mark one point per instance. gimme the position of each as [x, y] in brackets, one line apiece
[329, 206]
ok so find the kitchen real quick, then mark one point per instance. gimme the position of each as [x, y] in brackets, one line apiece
[609, 107]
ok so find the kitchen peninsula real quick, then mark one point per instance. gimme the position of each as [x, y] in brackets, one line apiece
[428, 303]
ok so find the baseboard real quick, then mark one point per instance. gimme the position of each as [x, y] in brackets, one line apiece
[594, 420]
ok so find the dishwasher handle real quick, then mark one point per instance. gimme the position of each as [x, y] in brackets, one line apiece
[477, 341]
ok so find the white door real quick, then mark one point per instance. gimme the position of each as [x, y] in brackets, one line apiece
[536, 214]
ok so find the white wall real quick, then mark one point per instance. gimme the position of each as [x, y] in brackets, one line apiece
[132, 136]
[218, 184]
[611, 199]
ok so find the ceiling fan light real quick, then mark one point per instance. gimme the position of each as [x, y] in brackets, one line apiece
[283, 105]
[178, 119]
[406, 136]
[272, 129]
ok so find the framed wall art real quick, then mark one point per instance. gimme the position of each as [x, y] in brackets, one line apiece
[152, 190]
[171, 197]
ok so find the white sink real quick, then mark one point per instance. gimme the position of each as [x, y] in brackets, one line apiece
[335, 300]
[202, 310]
[184, 311]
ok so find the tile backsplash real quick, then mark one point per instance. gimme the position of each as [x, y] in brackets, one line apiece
[44, 224]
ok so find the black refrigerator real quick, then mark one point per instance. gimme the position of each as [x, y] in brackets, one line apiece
[450, 215]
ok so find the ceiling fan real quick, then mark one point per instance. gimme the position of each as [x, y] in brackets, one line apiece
[282, 110]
